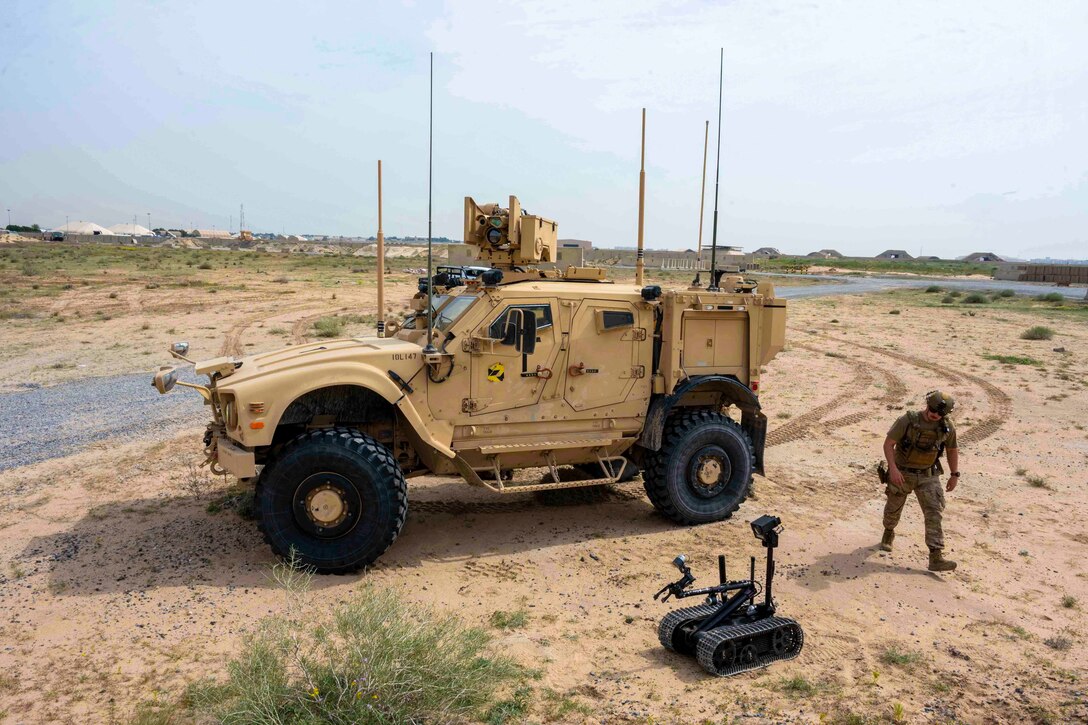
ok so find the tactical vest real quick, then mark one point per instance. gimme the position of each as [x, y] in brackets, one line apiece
[921, 447]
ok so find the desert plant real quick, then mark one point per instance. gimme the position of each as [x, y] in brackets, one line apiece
[947, 300]
[1038, 332]
[329, 327]
[1013, 359]
[1006, 293]
[975, 299]
[1059, 642]
[895, 656]
[934, 288]
[1050, 297]
[1069, 601]
[204, 265]
[509, 620]
[374, 659]
[955, 293]
[893, 312]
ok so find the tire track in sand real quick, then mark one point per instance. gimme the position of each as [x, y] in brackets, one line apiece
[232, 342]
[999, 400]
[797, 427]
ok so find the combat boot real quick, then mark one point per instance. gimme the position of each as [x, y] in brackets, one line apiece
[937, 562]
[887, 539]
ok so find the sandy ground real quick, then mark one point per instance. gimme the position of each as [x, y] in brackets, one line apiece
[117, 585]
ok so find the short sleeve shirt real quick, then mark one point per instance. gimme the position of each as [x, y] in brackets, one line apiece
[899, 430]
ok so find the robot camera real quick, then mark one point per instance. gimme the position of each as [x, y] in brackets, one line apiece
[765, 527]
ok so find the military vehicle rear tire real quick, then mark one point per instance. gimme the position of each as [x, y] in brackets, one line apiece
[703, 471]
[335, 496]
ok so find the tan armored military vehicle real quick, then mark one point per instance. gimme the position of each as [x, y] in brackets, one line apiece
[524, 375]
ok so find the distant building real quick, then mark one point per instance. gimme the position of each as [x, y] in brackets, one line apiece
[982, 257]
[894, 254]
[767, 252]
[825, 254]
[213, 234]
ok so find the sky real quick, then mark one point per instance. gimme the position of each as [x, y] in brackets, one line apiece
[941, 128]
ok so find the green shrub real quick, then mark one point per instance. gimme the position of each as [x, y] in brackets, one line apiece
[1039, 332]
[894, 656]
[204, 265]
[975, 299]
[329, 327]
[955, 293]
[374, 659]
[934, 288]
[509, 620]
[1012, 359]
[947, 300]
[1006, 293]
[1050, 297]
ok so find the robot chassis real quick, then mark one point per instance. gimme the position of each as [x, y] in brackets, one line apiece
[731, 634]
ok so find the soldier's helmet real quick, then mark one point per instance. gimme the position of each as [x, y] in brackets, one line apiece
[940, 403]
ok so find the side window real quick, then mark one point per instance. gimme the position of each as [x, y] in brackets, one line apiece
[543, 319]
[614, 320]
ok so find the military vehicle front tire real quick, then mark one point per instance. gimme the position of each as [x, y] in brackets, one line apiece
[703, 471]
[334, 496]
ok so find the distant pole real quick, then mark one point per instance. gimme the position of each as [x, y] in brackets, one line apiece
[133, 225]
[381, 259]
[639, 256]
[717, 173]
[149, 220]
[9, 217]
[702, 193]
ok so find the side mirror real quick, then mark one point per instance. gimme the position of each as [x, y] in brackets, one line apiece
[165, 379]
[180, 350]
[528, 334]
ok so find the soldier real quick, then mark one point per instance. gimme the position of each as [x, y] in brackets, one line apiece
[912, 452]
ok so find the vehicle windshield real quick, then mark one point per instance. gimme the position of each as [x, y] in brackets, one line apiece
[447, 314]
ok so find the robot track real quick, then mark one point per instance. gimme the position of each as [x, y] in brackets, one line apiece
[669, 631]
[737, 648]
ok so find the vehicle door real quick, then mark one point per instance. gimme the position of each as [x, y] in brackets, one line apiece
[504, 378]
[603, 362]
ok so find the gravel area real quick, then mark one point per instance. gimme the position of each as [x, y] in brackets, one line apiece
[844, 285]
[48, 422]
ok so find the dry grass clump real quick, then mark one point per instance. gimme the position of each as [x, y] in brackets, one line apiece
[975, 299]
[329, 327]
[1038, 332]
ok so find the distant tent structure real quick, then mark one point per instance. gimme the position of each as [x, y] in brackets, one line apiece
[894, 254]
[131, 230]
[82, 227]
[982, 257]
[214, 234]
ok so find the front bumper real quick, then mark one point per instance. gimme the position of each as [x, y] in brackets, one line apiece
[232, 458]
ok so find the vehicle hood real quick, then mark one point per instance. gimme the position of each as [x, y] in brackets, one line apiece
[386, 353]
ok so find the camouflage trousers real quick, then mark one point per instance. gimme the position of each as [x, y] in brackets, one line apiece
[930, 495]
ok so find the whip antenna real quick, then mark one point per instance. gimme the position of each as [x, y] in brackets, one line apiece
[717, 171]
[430, 348]
[702, 204]
[639, 256]
[381, 259]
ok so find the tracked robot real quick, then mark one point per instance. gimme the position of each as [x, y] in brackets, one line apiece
[731, 633]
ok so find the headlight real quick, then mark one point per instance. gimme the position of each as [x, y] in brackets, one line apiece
[230, 411]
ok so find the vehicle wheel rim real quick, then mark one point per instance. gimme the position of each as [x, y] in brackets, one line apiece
[327, 505]
[709, 471]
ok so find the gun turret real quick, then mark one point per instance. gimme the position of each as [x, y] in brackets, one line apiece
[509, 237]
